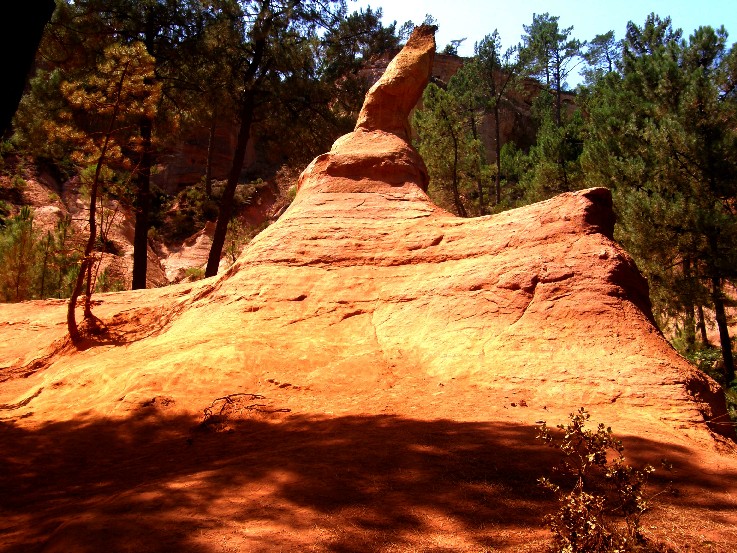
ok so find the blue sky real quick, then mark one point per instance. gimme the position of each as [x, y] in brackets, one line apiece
[473, 19]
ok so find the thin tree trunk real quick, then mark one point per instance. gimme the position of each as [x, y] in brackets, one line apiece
[143, 208]
[226, 202]
[89, 248]
[479, 182]
[84, 269]
[456, 194]
[45, 264]
[210, 153]
[251, 81]
[558, 96]
[690, 321]
[717, 295]
[701, 324]
[498, 150]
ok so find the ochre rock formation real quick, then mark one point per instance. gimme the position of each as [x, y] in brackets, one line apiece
[390, 100]
[400, 357]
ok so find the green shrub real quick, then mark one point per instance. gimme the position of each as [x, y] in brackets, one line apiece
[18, 257]
[108, 282]
[709, 360]
[5, 211]
[600, 486]
[19, 183]
[193, 209]
[194, 273]
[35, 266]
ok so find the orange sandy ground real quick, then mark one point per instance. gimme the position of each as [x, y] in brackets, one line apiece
[419, 464]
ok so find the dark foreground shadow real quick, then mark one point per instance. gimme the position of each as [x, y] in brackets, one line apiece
[265, 482]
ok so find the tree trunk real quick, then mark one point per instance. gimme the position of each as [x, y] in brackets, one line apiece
[251, 81]
[717, 295]
[689, 331]
[85, 267]
[456, 194]
[210, 153]
[701, 324]
[45, 264]
[143, 208]
[226, 202]
[558, 94]
[479, 181]
[498, 150]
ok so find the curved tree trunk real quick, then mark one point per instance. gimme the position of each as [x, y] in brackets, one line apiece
[251, 81]
[85, 268]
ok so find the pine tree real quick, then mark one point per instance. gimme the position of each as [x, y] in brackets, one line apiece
[446, 142]
[18, 254]
[663, 136]
[499, 71]
[549, 51]
[102, 110]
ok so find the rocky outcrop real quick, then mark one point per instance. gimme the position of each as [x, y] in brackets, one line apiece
[364, 306]
[390, 100]
[363, 274]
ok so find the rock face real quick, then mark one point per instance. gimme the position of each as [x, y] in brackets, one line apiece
[364, 277]
[363, 305]
[390, 100]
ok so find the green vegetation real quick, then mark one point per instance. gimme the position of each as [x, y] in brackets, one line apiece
[596, 486]
[194, 273]
[35, 266]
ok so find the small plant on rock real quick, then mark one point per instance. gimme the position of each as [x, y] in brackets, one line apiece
[603, 485]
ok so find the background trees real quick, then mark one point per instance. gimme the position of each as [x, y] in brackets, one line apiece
[655, 122]
[79, 35]
[499, 72]
[663, 133]
[446, 141]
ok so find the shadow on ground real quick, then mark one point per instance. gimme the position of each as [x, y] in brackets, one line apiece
[268, 482]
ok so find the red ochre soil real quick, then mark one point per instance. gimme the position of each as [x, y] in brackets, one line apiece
[369, 376]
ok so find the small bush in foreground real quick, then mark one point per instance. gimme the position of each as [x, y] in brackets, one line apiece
[603, 486]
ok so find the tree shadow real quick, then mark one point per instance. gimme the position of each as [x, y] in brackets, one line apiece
[274, 481]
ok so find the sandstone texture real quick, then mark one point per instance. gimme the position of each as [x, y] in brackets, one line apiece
[391, 98]
[368, 376]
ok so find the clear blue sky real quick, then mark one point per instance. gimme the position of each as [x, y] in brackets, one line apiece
[473, 19]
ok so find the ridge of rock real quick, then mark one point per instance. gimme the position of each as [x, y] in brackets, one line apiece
[377, 155]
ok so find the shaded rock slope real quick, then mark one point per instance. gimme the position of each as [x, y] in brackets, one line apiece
[377, 333]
